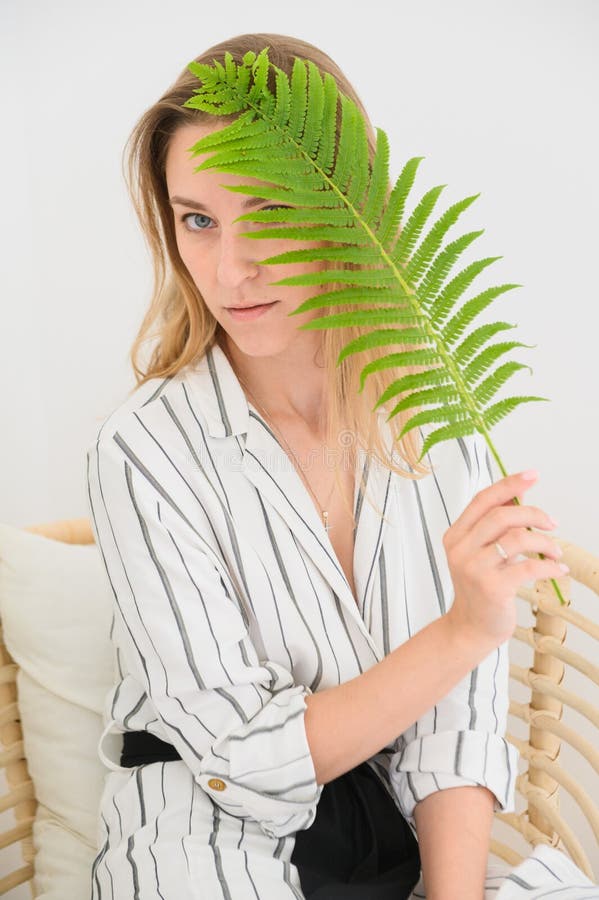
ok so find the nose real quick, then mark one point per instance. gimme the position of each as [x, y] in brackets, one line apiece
[236, 260]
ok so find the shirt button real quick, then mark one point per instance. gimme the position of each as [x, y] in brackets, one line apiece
[216, 784]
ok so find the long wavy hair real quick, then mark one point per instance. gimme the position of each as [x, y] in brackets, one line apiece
[177, 319]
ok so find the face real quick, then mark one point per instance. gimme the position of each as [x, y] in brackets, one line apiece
[224, 265]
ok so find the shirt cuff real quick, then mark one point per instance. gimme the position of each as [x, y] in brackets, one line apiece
[264, 770]
[454, 759]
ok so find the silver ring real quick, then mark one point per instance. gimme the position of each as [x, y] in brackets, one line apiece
[501, 551]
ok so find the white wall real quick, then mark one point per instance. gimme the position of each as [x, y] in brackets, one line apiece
[498, 97]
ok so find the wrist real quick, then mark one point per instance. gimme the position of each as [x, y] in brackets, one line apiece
[465, 641]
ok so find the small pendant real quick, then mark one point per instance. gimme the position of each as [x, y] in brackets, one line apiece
[325, 516]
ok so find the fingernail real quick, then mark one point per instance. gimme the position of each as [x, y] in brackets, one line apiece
[552, 522]
[529, 475]
[564, 567]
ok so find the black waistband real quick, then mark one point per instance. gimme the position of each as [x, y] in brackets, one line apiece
[141, 747]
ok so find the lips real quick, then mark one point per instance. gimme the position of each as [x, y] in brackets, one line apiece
[254, 306]
[249, 313]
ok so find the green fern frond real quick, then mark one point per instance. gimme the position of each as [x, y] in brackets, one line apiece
[500, 410]
[392, 215]
[443, 303]
[365, 256]
[432, 280]
[404, 277]
[368, 277]
[446, 433]
[421, 398]
[456, 325]
[482, 362]
[476, 339]
[381, 338]
[367, 317]
[452, 413]
[396, 360]
[438, 376]
[489, 387]
[419, 263]
[377, 191]
[366, 295]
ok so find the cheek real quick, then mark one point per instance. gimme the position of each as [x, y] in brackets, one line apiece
[193, 259]
[182, 245]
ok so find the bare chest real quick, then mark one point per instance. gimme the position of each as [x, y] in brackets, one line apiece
[318, 471]
[341, 535]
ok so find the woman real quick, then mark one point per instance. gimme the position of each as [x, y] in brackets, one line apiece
[306, 709]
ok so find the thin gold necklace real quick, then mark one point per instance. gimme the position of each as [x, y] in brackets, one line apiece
[324, 512]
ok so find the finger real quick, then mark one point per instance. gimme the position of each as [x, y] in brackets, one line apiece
[521, 542]
[497, 494]
[517, 573]
[503, 521]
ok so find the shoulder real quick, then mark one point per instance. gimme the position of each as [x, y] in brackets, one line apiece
[153, 414]
[200, 404]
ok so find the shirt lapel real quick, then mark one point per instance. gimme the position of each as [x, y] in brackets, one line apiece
[373, 511]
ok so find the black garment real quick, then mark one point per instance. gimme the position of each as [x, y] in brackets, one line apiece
[141, 747]
[359, 846]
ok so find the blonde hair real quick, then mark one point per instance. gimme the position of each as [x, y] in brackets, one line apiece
[177, 315]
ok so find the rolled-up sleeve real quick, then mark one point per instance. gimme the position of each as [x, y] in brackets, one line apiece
[184, 635]
[462, 742]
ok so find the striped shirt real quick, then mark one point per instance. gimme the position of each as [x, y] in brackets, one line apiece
[231, 606]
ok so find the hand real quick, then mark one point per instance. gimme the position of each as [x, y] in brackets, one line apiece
[486, 584]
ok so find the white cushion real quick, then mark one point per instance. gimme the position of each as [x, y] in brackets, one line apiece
[55, 606]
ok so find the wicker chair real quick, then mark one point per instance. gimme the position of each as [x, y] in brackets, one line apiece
[539, 786]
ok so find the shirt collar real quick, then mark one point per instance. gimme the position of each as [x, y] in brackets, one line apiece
[220, 395]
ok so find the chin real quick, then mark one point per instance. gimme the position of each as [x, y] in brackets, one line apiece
[257, 345]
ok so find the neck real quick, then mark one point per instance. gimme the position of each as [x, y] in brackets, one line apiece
[289, 387]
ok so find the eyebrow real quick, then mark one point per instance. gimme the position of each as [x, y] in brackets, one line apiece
[248, 203]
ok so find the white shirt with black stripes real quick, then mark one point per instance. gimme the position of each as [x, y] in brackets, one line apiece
[230, 606]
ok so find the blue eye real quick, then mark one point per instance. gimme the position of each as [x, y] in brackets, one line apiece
[202, 227]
